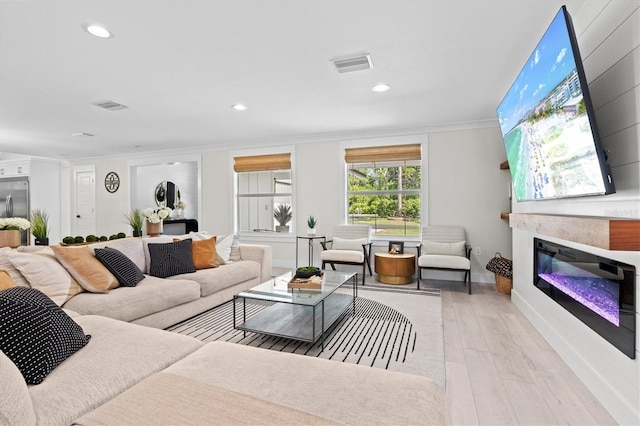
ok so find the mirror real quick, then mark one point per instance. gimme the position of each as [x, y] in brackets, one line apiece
[167, 194]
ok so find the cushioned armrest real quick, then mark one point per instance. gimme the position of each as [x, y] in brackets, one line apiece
[259, 253]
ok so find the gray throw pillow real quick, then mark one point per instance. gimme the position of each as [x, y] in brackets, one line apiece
[123, 268]
[171, 259]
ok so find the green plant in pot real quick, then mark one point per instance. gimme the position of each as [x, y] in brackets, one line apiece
[40, 227]
[135, 221]
[282, 215]
[307, 271]
[311, 223]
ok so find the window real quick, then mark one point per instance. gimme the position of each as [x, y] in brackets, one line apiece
[264, 188]
[384, 189]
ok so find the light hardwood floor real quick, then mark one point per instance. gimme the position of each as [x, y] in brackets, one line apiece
[500, 370]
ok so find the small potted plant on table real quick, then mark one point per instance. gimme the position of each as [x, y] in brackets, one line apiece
[311, 223]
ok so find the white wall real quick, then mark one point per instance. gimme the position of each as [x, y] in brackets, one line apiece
[609, 40]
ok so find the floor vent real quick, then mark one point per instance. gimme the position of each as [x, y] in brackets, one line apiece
[111, 105]
[354, 63]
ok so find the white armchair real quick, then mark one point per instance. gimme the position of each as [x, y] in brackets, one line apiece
[350, 245]
[445, 248]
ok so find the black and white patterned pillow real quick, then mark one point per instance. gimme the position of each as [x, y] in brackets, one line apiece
[171, 259]
[127, 273]
[35, 333]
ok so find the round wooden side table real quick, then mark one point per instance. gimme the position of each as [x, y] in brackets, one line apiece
[395, 268]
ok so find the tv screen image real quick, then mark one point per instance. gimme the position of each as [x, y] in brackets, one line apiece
[548, 124]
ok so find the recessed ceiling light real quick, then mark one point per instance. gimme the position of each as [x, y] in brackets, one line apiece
[381, 87]
[97, 30]
[239, 107]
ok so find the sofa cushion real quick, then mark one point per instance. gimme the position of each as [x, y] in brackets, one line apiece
[342, 255]
[5, 280]
[123, 268]
[6, 264]
[214, 280]
[35, 333]
[228, 249]
[82, 264]
[15, 403]
[133, 248]
[170, 259]
[203, 252]
[170, 399]
[119, 356]
[149, 296]
[44, 272]
[321, 387]
[153, 240]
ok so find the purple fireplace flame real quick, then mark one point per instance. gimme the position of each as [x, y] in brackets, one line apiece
[598, 294]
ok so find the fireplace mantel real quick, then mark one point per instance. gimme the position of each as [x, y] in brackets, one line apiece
[601, 232]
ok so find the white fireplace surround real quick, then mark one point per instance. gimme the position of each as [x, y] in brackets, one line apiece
[610, 375]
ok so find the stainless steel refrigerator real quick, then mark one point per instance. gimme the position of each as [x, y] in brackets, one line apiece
[14, 200]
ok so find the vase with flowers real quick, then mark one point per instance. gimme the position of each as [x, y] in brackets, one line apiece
[11, 231]
[154, 218]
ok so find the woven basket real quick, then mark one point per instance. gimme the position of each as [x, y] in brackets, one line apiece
[504, 284]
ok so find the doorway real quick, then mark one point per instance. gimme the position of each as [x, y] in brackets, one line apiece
[84, 222]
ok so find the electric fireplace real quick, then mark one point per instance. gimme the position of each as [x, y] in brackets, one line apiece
[598, 291]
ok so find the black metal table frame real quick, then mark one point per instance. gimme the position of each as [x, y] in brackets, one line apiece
[310, 238]
[313, 326]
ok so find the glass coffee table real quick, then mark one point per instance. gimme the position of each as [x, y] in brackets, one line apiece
[300, 314]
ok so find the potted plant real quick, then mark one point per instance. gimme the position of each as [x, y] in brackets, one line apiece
[40, 227]
[135, 219]
[311, 223]
[11, 231]
[154, 218]
[282, 214]
[308, 271]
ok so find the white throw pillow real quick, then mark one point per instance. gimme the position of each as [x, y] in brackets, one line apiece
[448, 249]
[348, 244]
[228, 249]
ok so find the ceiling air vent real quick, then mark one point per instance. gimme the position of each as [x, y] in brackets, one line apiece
[354, 63]
[111, 105]
[82, 134]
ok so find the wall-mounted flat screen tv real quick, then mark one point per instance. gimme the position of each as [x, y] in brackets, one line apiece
[548, 123]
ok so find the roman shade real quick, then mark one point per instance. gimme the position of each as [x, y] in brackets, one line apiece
[380, 154]
[257, 163]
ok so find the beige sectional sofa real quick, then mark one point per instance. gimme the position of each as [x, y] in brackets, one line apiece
[162, 302]
[129, 373]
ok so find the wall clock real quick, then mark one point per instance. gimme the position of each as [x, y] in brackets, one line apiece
[112, 182]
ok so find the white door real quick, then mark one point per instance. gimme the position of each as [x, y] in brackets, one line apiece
[85, 220]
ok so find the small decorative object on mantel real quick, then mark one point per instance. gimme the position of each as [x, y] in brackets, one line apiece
[311, 223]
[154, 220]
[396, 247]
[11, 231]
[40, 227]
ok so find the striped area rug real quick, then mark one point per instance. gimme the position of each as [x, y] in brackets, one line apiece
[377, 335]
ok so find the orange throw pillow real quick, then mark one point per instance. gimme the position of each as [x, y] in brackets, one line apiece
[203, 253]
[88, 271]
[5, 280]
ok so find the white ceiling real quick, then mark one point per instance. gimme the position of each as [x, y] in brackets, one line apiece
[180, 65]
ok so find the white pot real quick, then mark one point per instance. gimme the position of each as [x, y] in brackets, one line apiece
[311, 232]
